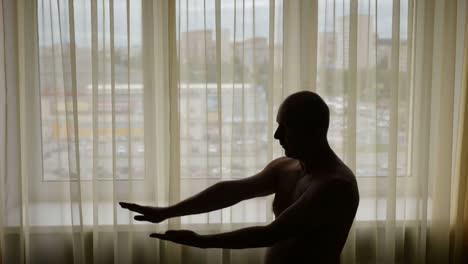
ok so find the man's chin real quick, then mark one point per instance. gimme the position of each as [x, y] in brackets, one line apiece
[289, 154]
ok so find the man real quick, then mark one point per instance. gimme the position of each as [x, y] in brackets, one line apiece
[316, 194]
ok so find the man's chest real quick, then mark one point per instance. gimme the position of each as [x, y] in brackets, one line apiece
[288, 190]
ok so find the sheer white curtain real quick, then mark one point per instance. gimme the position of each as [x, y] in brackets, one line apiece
[86, 124]
[153, 101]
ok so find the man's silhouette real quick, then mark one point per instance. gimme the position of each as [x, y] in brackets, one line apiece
[316, 194]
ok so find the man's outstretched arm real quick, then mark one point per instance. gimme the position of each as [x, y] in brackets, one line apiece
[250, 237]
[217, 196]
[314, 209]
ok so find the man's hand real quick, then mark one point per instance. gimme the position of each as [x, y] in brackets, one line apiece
[148, 213]
[184, 237]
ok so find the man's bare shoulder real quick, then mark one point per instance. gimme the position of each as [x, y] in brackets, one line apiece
[342, 184]
[344, 175]
[283, 164]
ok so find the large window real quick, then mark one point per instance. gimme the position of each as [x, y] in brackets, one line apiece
[229, 89]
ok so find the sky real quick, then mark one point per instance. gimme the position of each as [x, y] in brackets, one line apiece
[196, 13]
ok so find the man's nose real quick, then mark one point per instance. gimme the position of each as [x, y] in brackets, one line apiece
[276, 135]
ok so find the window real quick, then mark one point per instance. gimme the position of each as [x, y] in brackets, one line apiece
[94, 117]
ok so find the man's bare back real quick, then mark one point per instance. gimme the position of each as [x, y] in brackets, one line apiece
[316, 244]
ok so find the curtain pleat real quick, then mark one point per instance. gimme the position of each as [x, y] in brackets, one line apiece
[460, 223]
[270, 88]
[3, 115]
[23, 129]
[390, 224]
[349, 251]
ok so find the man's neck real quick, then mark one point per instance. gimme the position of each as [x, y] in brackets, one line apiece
[322, 159]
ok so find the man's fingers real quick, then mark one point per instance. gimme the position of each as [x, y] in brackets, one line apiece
[158, 235]
[184, 237]
[141, 218]
[127, 205]
[124, 204]
[134, 207]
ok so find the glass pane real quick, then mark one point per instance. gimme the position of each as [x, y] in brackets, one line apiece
[56, 88]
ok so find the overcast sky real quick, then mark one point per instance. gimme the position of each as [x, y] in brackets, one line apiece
[196, 14]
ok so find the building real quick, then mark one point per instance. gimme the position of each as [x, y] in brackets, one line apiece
[252, 51]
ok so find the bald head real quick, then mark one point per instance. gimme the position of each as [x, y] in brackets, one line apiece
[306, 110]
